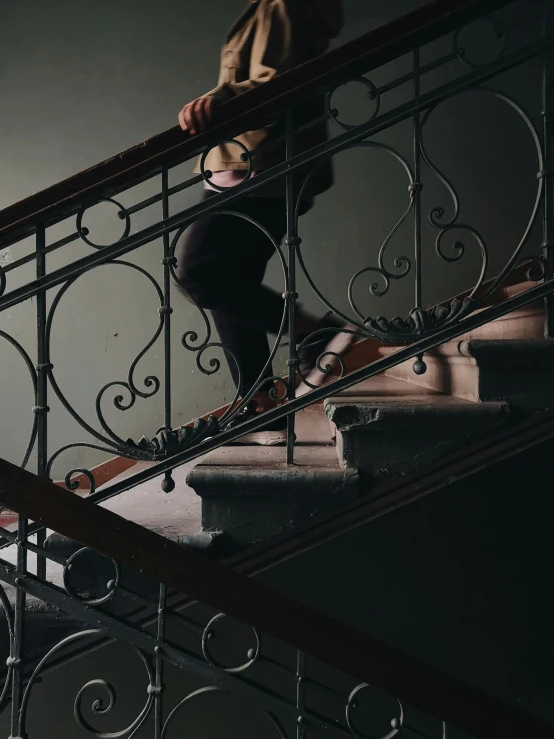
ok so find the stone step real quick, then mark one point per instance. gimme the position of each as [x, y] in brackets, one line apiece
[250, 493]
[385, 427]
[211, 509]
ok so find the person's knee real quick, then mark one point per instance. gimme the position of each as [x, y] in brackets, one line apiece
[193, 284]
[190, 277]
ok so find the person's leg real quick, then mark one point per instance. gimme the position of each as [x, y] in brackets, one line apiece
[248, 349]
[221, 262]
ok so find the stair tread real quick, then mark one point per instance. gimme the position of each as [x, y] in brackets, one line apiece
[386, 391]
[256, 457]
[171, 515]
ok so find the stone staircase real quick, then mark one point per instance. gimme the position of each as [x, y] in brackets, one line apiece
[386, 427]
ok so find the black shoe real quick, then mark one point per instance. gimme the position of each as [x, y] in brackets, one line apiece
[272, 434]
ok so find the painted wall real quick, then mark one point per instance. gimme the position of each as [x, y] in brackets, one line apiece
[80, 81]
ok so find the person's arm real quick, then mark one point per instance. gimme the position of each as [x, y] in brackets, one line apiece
[272, 54]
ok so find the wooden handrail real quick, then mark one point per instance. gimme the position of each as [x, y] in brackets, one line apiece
[244, 112]
[275, 614]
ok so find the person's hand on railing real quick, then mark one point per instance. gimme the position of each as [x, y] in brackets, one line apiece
[197, 116]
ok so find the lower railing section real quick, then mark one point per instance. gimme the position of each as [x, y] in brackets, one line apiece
[300, 671]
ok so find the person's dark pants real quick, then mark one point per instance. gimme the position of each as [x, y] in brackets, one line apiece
[221, 263]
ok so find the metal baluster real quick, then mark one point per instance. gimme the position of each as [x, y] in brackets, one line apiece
[18, 643]
[293, 241]
[168, 483]
[300, 694]
[416, 188]
[159, 665]
[548, 175]
[41, 408]
[445, 732]
[415, 192]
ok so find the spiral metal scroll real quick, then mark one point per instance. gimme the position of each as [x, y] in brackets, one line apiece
[366, 326]
[210, 691]
[327, 362]
[71, 484]
[421, 322]
[536, 267]
[100, 706]
[74, 485]
[151, 383]
[445, 227]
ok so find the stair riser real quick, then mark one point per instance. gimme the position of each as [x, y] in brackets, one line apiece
[246, 520]
[380, 452]
[250, 507]
[458, 377]
[251, 494]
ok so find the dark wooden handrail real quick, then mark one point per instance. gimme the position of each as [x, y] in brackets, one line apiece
[275, 614]
[244, 112]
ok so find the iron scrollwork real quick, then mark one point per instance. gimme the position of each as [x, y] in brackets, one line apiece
[101, 706]
[453, 239]
[98, 600]
[498, 30]
[372, 94]
[352, 704]
[212, 691]
[209, 634]
[85, 232]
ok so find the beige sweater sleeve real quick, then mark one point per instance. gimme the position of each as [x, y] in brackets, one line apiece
[272, 52]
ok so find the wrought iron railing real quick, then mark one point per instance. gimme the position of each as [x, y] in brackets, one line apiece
[273, 663]
[295, 694]
[435, 46]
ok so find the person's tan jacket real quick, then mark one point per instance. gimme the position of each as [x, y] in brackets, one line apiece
[269, 38]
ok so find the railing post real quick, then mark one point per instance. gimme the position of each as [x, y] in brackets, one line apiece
[548, 175]
[41, 408]
[293, 241]
[15, 660]
[159, 677]
[416, 188]
[300, 694]
[415, 194]
[168, 483]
